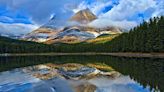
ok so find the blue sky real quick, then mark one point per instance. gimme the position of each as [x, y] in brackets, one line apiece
[27, 15]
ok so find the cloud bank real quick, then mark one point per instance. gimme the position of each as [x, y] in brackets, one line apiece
[22, 16]
[16, 29]
[122, 13]
[103, 22]
[39, 11]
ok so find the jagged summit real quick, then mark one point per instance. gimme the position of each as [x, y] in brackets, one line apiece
[83, 16]
[51, 23]
[53, 17]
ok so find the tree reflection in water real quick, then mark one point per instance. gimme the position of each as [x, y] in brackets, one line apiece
[147, 71]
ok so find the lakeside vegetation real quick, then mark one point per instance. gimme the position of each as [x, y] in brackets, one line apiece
[147, 37]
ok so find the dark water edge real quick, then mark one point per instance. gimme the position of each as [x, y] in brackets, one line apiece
[147, 71]
[120, 54]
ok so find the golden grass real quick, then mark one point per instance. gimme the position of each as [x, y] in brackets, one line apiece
[101, 39]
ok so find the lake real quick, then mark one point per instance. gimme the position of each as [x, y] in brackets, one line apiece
[66, 74]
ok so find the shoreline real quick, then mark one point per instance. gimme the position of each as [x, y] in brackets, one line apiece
[119, 54]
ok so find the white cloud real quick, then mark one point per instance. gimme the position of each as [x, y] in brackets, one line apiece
[96, 7]
[159, 9]
[128, 8]
[81, 6]
[5, 18]
[125, 14]
[17, 28]
[120, 84]
[105, 22]
[40, 11]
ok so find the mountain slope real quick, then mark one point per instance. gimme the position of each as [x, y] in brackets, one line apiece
[51, 24]
[70, 36]
[39, 35]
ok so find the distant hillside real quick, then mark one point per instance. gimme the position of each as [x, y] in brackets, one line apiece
[8, 45]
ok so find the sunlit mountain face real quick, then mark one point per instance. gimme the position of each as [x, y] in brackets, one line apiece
[78, 20]
[78, 30]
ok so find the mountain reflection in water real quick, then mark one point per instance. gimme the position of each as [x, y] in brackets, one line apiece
[22, 80]
[137, 75]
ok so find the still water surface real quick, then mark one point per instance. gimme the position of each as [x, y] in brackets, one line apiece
[135, 75]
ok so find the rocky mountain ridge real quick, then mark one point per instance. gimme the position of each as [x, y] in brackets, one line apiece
[49, 34]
